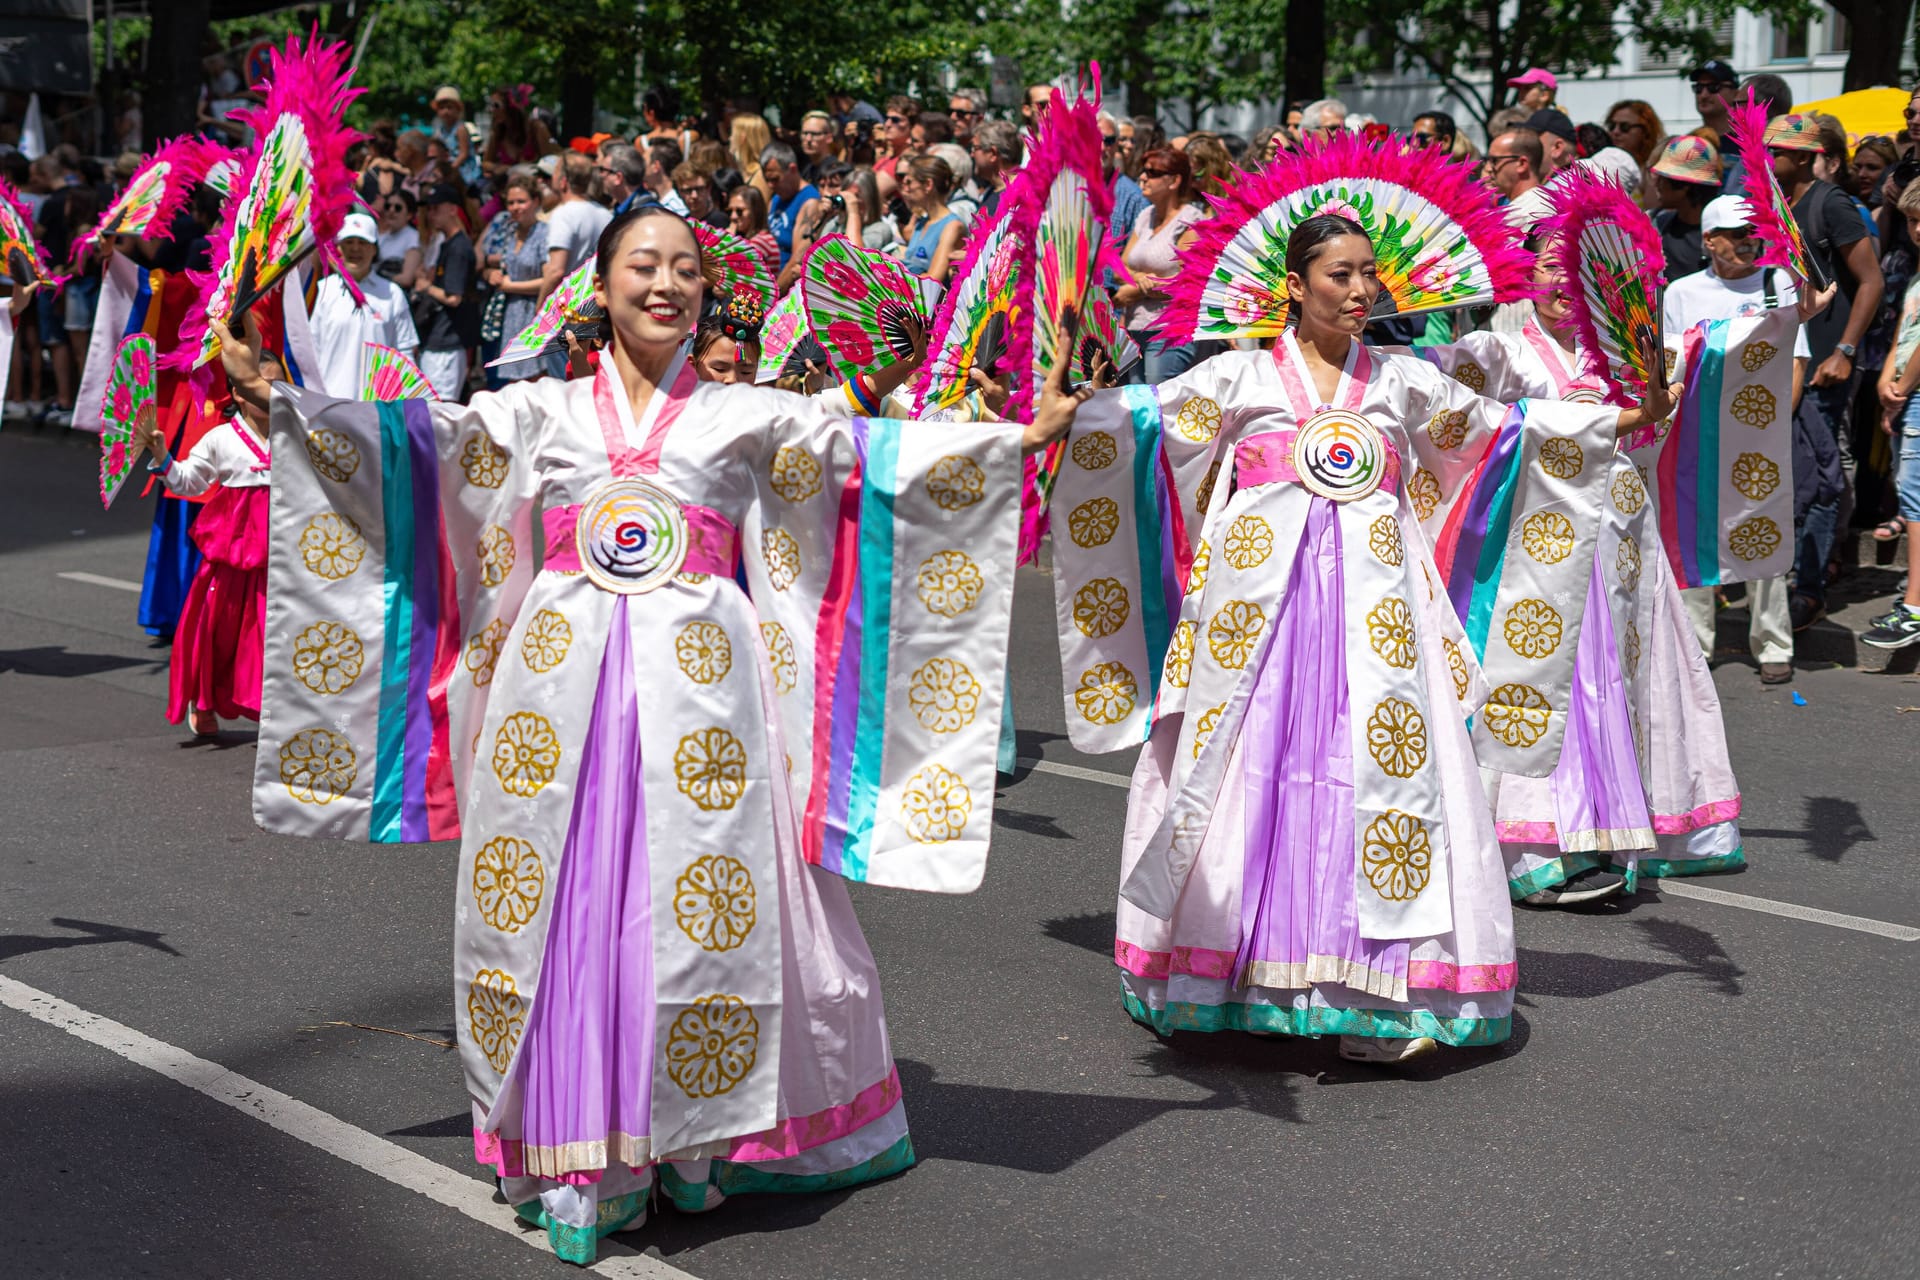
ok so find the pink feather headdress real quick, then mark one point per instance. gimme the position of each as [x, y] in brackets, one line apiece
[156, 192]
[1439, 238]
[1607, 252]
[307, 90]
[1773, 220]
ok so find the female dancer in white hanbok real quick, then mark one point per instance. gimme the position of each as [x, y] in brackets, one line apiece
[765, 643]
[1309, 849]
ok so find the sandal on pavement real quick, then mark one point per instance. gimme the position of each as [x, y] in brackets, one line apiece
[1889, 530]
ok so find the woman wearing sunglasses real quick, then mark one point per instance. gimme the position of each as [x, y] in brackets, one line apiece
[1152, 255]
[1634, 127]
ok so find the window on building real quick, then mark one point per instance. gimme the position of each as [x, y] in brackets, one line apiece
[1790, 41]
[1720, 45]
[1839, 33]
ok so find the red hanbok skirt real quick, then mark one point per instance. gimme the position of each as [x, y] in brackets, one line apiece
[218, 646]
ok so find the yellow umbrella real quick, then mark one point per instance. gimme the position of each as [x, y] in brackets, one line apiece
[1865, 112]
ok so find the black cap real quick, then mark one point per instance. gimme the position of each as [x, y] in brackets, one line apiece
[1547, 120]
[440, 193]
[1716, 70]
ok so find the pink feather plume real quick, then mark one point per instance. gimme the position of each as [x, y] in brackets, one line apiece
[1582, 199]
[25, 215]
[1747, 127]
[187, 159]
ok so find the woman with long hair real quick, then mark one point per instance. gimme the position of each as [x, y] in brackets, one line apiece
[748, 138]
[519, 273]
[1152, 256]
[747, 218]
[660, 981]
[1635, 127]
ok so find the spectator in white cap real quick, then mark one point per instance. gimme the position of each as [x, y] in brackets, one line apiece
[1537, 88]
[342, 326]
[1732, 285]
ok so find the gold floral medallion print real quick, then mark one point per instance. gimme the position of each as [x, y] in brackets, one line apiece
[1423, 490]
[1457, 668]
[935, 805]
[1448, 428]
[333, 454]
[497, 554]
[944, 695]
[1197, 574]
[956, 482]
[1561, 458]
[1179, 668]
[549, 636]
[1249, 543]
[1547, 536]
[1754, 539]
[1390, 632]
[1203, 730]
[710, 768]
[1095, 451]
[786, 671]
[484, 462]
[782, 554]
[1754, 406]
[1106, 693]
[949, 583]
[1397, 738]
[714, 902]
[496, 1015]
[703, 651]
[1397, 856]
[1203, 496]
[328, 657]
[1094, 522]
[1755, 475]
[1383, 539]
[508, 882]
[331, 546]
[1628, 493]
[1633, 646]
[794, 474]
[1101, 608]
[1533, 629]
[1198, 420]
[712, 1045]
[526, 753]
[1754, 356]
[483, 651]
[1469, 374]
[1626, 561]
[318, 766]
[1234, 631]
[1517, 714]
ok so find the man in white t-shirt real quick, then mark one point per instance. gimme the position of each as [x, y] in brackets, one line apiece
[1732, 286]
[342, 328]
[573, 233]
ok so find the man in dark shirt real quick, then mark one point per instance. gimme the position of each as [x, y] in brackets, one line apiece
[1837, 241]
[1685, 178]
[446, 309]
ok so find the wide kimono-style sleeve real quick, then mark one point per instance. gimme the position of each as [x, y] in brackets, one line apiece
[400, 549]
[1129, 508]
[1484, 362]
[1510, 499]
[880, 558]
[1723, 468]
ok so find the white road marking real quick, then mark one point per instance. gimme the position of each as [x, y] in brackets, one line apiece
[1075, 771]
[95, 580]
[1678, 888]
[1792, 910]
[312, 1126]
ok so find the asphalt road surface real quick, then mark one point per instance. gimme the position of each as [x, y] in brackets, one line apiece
[202, 1072]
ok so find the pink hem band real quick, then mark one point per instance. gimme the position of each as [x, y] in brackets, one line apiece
[1203, 962]
[713, 544]
[1710, 814]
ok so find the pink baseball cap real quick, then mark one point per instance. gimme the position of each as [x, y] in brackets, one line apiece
[1536, 75]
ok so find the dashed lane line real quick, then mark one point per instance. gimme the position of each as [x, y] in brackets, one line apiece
[316, 1128]
[97, 580]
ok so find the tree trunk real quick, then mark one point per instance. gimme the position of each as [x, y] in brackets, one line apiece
[1879, 31]
[1306, 51]
[576, 106]
[173, 69]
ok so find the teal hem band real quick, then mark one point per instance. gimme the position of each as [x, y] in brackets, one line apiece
[1663, 868]
[745, 1179]
[579, 1245]
[1559, 871]
[1318, 1021]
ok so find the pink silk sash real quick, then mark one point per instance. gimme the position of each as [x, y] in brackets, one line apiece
[713, 544]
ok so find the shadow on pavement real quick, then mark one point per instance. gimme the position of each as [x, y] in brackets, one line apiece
[1090, 932]
[62, 664]
[20, 944]
[1834, 826]
[1581, 975]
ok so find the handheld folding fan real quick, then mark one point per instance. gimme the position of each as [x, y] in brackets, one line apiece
[1074, 208]
[1103, 336]
[1438, 237]
[1605, 248]
[730, 264]
[294, 188]
[569, 307]
[863, 306]
[1773, 220]
[782, 331]
[992, 291]
[129, 394]
[392, 376]
[25, 262]
[155, 193]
